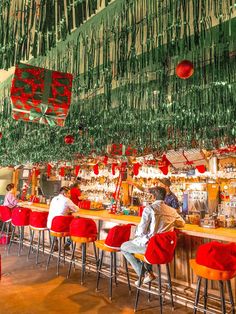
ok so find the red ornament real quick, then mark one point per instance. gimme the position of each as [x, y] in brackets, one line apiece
[0, 135]
[69, 139]
[77, 169]
[96, 169]
[49, 168]
[184, 69]
[201, 168]
[136, 167]
[113, 168]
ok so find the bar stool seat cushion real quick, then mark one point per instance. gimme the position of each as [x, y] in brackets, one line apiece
[5, 213]
[38, 220]
[117, 236]
[84, 228]
[217, 255]
[161, 248]
[61, 224]
[211, 273]
[21, 216]
[100, 244]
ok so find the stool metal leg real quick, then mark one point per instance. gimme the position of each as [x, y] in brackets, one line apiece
[170, 286]
[8, 229]
[111, 275]
[231, 298]
[43, 239]
[37, 254]
[95, 254]
[3, 226]
[11, 240]
[51, 251]
[20, 236]
[83, 262]
[160, 287]
[72, 258]
[139, 285]
[221, 284]
[99, 270]
[197, 294]
[127, 274]
[115, 267]
[31, 243]
[149, 294]
[59, 255]
[205, 295]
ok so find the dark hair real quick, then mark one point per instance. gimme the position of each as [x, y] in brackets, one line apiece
[75, 185]
[64, 189]
[159, 193]
[79, 179]
[10, 186]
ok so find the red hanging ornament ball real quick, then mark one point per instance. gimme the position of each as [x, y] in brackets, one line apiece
[69, 139]
[184, 69]
[0, 135]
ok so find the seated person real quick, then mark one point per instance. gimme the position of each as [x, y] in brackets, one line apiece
[10, 200]
[156, 218]
[61, 205]
[75, 192]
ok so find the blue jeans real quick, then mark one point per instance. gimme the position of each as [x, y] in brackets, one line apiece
[128, 249]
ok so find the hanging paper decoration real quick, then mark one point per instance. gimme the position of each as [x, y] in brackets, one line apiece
[36, 172]
[105, 160]
[49, 169]
[163, 165]
[62, 171]
[77, 169]
[184, 69]
[69, 139]
[136, 167]
[113, 168]
[96, 169]
[40, 95]
[201, 168]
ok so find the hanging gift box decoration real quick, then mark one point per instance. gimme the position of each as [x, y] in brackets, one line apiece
[40, 95]
[69, 139]
[184, 69]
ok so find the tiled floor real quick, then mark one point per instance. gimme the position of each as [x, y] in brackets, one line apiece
[29, 289]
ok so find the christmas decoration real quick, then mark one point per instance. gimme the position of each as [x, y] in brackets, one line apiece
[49, 169]
[62, 171]
[40, 95]
[77, 169]
[69, 139]
[113, 168]
[184, 69]
[136, 167]
[0, 135]
[96, 169]
[201, 168]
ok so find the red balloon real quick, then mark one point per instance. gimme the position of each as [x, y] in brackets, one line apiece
[69, 139]
[184, 69]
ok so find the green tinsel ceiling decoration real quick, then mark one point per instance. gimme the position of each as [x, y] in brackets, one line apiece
[125, 89]
[33, 27]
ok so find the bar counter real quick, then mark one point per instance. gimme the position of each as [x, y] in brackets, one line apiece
[189, 239]
[221, 234]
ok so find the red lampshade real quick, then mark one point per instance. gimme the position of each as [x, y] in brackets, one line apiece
[184, 69]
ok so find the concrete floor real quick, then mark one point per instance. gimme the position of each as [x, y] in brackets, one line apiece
[29, 289]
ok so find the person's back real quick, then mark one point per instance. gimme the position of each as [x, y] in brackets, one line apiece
[10, 199]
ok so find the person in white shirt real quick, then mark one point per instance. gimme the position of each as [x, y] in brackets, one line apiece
[61, 205]
[156, 218]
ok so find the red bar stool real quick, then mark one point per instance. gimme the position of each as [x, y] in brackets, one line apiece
[160, 251]
[5, 213]
[60, 229]
[115, 238]
[83, 231]
[215, 261]
[38, 223]
[20, 219]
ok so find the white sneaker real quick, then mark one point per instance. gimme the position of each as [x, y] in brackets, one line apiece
[148, 278]
[137, 283]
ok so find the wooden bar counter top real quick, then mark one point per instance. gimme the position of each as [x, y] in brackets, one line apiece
[222, 234]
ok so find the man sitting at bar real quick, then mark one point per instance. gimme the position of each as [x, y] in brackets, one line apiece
[61, 205]
[156, 218]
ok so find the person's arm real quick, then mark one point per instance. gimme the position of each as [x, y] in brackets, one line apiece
[141, 188]
[179, 221]
[12, 200]
[71, 205]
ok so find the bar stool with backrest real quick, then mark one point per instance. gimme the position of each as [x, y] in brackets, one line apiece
[160, 251]
[82, 231]
[38, 223]
[115, 238]
[60, 228]
[20, 219]
[215, 261]
[5, 214]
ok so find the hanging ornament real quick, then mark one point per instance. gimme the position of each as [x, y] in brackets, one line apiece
[95, 169]
[136, 167]
[201, 168]
[69, 139]
[163, 165]
[77, 169]
[62, 171]
[49, 168]
[113, 168]
[184, 69]
[0, 135]
[105, 160]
